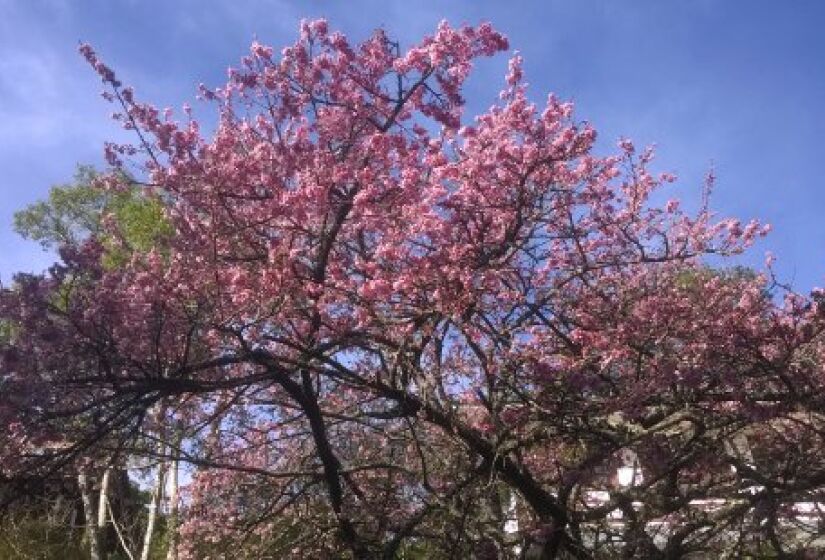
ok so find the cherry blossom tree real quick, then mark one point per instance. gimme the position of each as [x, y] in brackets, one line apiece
[381, 329]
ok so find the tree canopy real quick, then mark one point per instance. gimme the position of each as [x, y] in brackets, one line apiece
[374, 328]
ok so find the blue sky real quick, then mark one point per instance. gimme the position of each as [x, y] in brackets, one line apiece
[739, 85]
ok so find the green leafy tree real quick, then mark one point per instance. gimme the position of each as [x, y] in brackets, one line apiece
[75, 211]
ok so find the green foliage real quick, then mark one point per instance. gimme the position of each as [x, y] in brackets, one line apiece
[75, 211]
[413, 550]
[39, 538]
[141, 225]
[690, 279]
[7, 330]
[70, 213]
